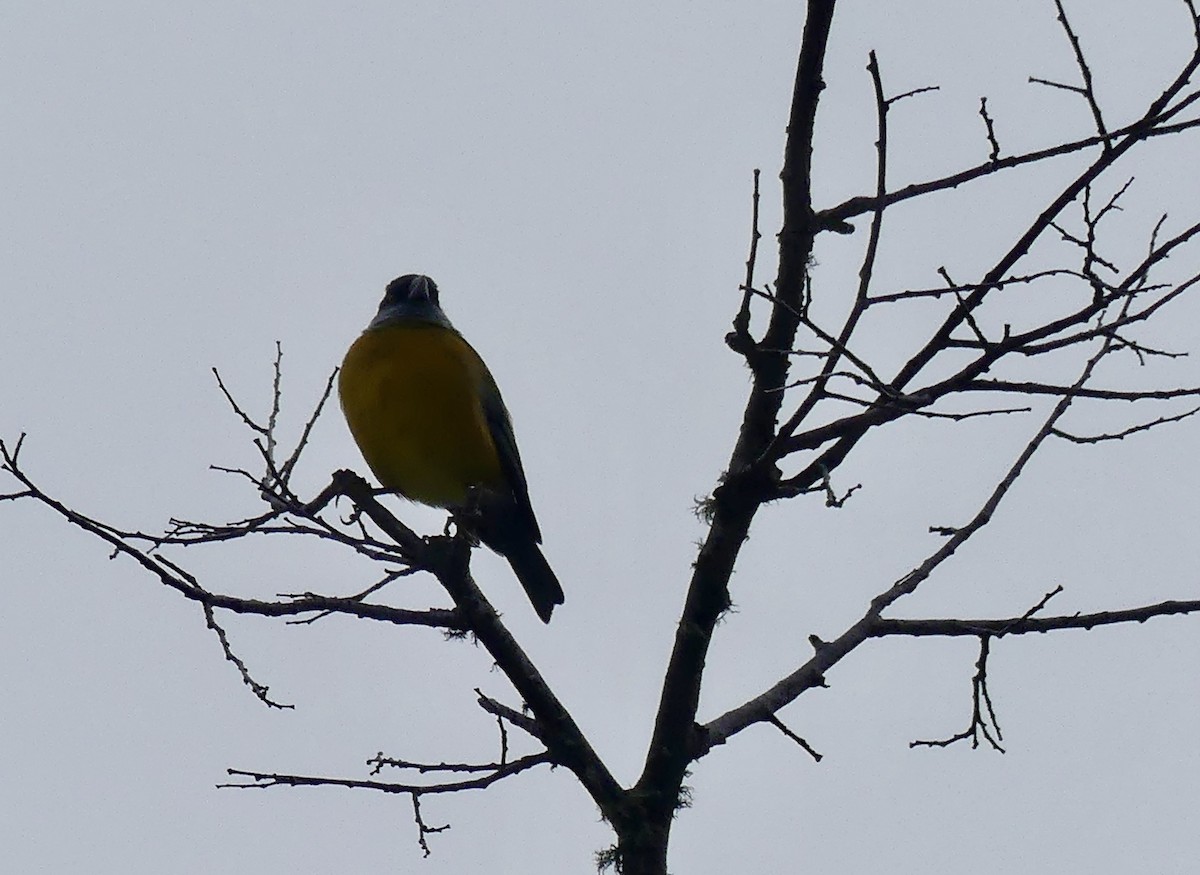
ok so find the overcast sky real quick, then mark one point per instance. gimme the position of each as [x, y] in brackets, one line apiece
[186, 185]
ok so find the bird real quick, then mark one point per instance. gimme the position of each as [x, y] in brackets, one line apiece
[431, 425]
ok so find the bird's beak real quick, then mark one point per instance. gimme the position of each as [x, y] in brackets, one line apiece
[421, 288]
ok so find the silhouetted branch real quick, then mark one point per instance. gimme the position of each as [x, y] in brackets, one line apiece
[808, 748]
[259, 690]
[642, 840]
[1124, 433]
[424, 829]
[812, 673]
[1085, 72]
[740, 339]
[503, 712]
[264, 780]
[999, 627]
[1025, 387]
[983, 714]
[1144, 129]
[939, 291]
[839, 346]
[993, 143]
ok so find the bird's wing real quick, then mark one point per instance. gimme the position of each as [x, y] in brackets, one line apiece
[500, 426]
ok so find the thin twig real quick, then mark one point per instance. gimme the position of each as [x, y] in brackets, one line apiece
[983, 715]
[808, 748]
[1085, 72]
[1124, 433]
[993, 143]
[740, 339]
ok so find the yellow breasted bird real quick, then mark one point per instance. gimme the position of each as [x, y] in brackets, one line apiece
[430, 422]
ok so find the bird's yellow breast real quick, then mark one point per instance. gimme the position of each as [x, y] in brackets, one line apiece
[412, 398]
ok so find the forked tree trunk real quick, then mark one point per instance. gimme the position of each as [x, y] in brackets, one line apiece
[642, 848]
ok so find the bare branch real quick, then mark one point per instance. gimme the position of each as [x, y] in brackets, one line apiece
[1144, 129]
[739, 339]
[276, 403]
[447, 558]
[1050, 83]
[838, 348]
[983, 714]
[912, 93]
[745, 486]
[1042, 602]
[285, 470]
[808, 748]
[263, 780]
[1024, 387]
[423, 829]
[488, 774]
[993, 143]
[1085, 72]
[1124, 433]
[956, 628]
[970, 414]
[844, 433]
[172, 575]
[812, 673]
[503, 712]
[954, 289]
[866, 270]
[242, 414]
[259, 690]
[1106, 330]
[889, 408]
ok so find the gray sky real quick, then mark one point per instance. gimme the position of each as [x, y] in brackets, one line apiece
[186, 186]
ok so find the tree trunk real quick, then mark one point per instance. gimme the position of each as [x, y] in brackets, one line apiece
[642, 847]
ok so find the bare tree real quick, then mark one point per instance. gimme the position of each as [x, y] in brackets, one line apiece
[816, 392]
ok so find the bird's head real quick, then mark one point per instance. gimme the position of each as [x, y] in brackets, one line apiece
[410, 298]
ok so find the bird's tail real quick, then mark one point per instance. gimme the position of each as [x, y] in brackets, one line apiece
[536, 576]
